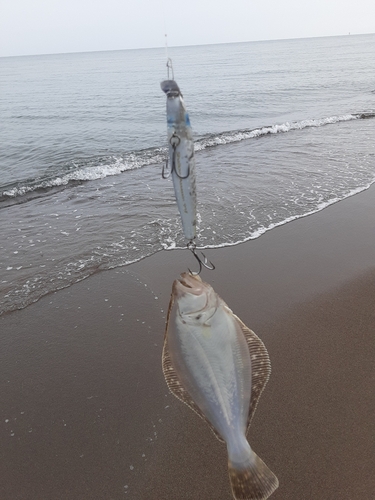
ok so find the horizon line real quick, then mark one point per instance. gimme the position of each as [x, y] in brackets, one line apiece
[187, 45]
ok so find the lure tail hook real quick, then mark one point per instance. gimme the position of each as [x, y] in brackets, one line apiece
[202, 263]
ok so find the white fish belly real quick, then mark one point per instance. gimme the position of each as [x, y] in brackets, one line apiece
[213, 364]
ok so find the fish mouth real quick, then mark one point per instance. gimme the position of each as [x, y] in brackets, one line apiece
[192, 285]
[192, 282]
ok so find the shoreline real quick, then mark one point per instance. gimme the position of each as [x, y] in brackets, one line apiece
[14, 294]
[86, 412]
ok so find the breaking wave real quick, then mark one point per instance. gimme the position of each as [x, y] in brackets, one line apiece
[104, 167]
[81, 172]
[240, 135]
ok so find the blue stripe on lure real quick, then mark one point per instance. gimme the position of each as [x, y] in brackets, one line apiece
[181, 163]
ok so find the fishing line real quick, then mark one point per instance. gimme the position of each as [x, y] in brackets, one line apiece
[174, 143]
[169, 60]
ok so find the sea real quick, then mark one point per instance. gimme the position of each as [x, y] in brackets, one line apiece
[282, 129]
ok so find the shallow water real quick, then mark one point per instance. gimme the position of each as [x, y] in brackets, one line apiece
[282, 129]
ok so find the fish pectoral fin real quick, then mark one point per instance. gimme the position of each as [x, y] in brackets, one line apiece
[179, 391]
[260, 367]
[255, 482]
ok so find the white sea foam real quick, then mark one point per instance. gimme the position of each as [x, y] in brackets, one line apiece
[140, 159]
[89, 173]
[240, 135]
[263, 229]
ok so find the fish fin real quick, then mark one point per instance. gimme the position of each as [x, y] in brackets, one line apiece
[174, 384]
[260, 368]
[255, 482]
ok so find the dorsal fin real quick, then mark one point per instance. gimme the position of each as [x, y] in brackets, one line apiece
[260, 367]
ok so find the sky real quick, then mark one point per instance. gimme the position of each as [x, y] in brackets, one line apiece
[58, 26]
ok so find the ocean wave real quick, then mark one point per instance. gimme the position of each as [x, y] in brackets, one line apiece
[91, 172]
[240, 135]
[81, 172]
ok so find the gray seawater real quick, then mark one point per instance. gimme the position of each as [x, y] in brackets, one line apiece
[282, 128]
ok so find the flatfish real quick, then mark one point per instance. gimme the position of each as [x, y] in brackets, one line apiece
[218, 367]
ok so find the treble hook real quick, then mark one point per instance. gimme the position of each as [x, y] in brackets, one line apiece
[174, 141]
[202, 263]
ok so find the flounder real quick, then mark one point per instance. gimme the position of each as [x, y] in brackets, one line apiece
[218, 367]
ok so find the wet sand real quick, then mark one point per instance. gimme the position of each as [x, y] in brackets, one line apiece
[86, 413]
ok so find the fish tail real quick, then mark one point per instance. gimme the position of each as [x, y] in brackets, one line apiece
[255, 481]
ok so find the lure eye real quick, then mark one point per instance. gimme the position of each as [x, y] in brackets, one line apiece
[171, 88]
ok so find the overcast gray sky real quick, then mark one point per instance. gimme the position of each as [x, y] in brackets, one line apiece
[54, 26]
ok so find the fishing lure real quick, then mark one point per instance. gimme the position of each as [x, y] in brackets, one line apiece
[181, 162]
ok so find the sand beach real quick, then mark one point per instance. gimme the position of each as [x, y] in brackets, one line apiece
[85, 412]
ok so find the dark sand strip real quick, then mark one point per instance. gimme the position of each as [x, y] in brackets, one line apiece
[85, 412]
